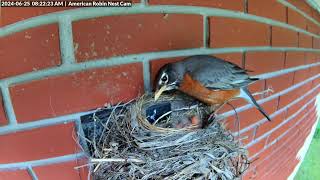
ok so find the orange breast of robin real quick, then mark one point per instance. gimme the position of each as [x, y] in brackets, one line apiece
[197, 90]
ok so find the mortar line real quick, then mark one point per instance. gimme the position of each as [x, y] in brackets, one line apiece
[287, 151]
[73, 117]
[42, 123]
[133, 58]
[85, 13]
[261, 101]
[206, 31]
[285, 71]
[146, 76]
[66, 40]
[32, 173]
[305, 15]
[279, 125]
[282, 135]
[8, 107]
[262, 121]
[314, 5]
[259, 123]
[276, 140]
[42, 162]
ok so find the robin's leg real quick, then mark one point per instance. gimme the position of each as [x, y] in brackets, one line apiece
[214, 109]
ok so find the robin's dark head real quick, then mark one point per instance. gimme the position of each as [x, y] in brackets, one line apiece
[168, 78]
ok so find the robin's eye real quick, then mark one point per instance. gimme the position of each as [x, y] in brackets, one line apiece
[164, 78]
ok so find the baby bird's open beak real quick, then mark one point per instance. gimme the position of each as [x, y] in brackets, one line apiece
[159, 92]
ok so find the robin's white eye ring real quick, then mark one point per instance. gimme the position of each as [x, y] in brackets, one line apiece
[164, 78]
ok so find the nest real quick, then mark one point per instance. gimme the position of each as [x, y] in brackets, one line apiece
[130, 147]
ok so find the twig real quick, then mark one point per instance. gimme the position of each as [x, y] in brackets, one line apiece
[163, 115]
[129, 160]
[270, 89]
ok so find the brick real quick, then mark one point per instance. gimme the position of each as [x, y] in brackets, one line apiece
[39, 143]
[131, 34]
[249, 174]
[64, 94]
[294, 94]
[235, 103]
[239, 32]
[310, 57]
[283, 129]
[294, 59]
[3, 117]
[156, 64]
[296, 19]
[257, 147]
[235, 58]
[15, 175]
[11, 15]
[38, 49]
[247, 136]
[315, 15]
[301, 75]
[262, 8]
[305, 41]
[268, 126]
[280, 83]
[253, 115]
[297, 107]
[62, 171]
[256, 87]
[302, 5]
[316, 43]
[315, 83]
[313, 71]
[84, 170]
[311, 27]
[264, 62]
[235, 5]
[282, 37]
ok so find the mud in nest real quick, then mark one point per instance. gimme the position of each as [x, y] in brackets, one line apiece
[130, 147]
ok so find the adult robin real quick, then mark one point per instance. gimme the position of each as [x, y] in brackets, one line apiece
[208, 79]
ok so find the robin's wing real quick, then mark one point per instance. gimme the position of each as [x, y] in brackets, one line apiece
[221, 75]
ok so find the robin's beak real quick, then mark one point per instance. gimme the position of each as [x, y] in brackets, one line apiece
[159, 92]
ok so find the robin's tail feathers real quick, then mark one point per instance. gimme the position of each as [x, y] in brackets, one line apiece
[245, 94]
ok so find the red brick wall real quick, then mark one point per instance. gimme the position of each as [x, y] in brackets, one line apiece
[117, 57]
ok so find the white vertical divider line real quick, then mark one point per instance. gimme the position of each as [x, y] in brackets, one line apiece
[9, 111]
[304, 149]
[144, 2]
[32, 173]
[146, 75]
[206, 31]
[291, 6]
[66, 40]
